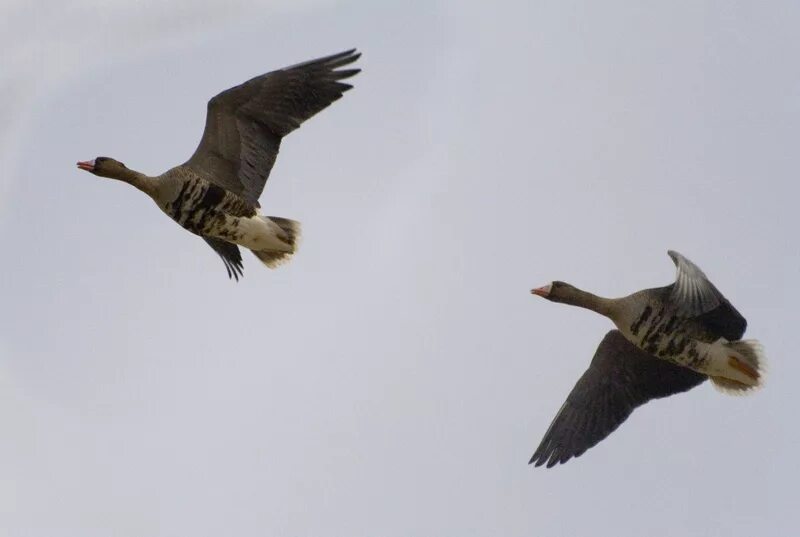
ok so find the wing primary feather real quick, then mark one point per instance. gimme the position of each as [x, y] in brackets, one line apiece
[620, 378]
[230, 254]
[246, 123]
[693, 293]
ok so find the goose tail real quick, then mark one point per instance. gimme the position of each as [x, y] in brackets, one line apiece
[291, 236]
[745, 367]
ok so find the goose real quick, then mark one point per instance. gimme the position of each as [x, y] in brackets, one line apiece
[667, 341]
[215, 193]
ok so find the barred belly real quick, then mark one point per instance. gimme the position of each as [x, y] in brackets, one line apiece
[662, 333]
[208, 210]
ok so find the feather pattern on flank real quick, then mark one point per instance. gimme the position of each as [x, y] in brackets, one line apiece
[215, 193]
[669, 339]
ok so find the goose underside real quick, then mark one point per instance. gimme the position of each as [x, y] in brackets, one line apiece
[221, 218]
[662, 332]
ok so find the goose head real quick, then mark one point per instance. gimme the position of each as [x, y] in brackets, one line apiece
[104, 167]
[557, 292]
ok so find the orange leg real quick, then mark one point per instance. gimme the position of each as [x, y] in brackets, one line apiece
[742, 367]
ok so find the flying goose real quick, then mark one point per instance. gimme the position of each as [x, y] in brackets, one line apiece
[668, 340]
[215, 193]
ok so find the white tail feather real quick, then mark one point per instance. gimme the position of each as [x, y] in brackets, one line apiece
[291, 236]
[747, 368]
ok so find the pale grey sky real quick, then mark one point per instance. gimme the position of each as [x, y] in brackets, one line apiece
[394, 379]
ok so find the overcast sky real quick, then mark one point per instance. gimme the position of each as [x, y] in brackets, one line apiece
[396, 377]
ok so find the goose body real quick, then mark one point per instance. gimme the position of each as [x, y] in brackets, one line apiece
[215, 193]
[210, 211]
[668, 340]
[651, 321]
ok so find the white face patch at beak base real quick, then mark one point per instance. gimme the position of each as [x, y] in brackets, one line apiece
[543, 291]
[87, 165]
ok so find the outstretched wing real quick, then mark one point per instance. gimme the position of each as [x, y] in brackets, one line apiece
[620, 378]
[230, 255]
[245, 124]
[695, 296]
[693, 292]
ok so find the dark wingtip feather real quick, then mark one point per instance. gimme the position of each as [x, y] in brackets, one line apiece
[343, 54]
[345, 73]
[351, 55]
[550, 457]
[548, 460]
[234, 270]
[341, 62]
[327, 62]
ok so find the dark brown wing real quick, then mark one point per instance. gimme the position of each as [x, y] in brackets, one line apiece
[230, 255]
[694, 295]
[724, 321]
[620, 378]
[245, 124]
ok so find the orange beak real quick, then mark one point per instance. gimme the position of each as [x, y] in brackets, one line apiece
[87, 165]
[543, 291]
